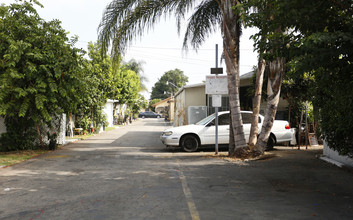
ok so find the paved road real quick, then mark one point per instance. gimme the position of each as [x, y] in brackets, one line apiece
[128, 174]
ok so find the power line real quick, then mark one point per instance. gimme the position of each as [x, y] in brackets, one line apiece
[166, 48]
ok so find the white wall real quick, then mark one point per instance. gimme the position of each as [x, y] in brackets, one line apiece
[332, 154]
[108, 110]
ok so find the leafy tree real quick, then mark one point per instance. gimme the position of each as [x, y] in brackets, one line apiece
[106, 78]
[105, 70]
[270, 43]
[103, 79]
[136, 66]
[129, 86]
[37, 68]
[125, 19]
[324, 51]
[168, 84]
[317, 44]
[138, 104]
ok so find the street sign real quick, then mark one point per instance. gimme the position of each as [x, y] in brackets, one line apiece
[216, 85]
[216, 70]
[216, 100]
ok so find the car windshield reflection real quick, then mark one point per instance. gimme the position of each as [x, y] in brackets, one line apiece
[206, 120]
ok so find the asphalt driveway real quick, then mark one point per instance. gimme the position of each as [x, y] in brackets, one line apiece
[128, 174]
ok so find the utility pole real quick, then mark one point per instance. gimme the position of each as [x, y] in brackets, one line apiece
[216, 86]
[216, 108]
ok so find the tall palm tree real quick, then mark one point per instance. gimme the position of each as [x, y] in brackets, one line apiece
[136, 66]
[123, 20]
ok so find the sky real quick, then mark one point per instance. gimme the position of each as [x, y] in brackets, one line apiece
[160, 48]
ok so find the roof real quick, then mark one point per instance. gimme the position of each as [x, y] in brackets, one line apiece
[189, 86]
[248, 75]
[164, 100]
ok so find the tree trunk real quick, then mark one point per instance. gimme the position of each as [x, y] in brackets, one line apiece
[256, 104]
[71, 131]
[273, 92]
[231, 37]
[40, 138]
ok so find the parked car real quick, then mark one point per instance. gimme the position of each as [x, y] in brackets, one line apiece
[149, 115]
[191, 137]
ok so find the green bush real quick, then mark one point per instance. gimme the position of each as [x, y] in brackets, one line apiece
[20, 135]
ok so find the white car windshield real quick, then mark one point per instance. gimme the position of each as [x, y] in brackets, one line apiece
[206, 120]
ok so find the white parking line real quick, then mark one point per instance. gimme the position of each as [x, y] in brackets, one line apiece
[191, 204]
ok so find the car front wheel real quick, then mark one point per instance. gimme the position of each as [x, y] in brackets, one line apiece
[189, 143]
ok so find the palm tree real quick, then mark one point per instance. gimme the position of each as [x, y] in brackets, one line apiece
[123, 20]
[136, 66]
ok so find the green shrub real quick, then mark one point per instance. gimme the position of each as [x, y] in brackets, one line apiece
[20, 135]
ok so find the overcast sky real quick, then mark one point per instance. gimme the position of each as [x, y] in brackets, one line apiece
[160, 48]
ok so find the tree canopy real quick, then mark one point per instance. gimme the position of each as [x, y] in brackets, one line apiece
[42, 75]
[38, 66]
[175, 79]
[316, 41]
[137, 67]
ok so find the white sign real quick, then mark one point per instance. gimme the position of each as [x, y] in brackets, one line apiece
[216, 85]
[216, 100]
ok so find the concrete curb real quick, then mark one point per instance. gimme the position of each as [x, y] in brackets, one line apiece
[329, 160]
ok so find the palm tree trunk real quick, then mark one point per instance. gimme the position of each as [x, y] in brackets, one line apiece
[273, 92]
[256, 104]
[231, 37]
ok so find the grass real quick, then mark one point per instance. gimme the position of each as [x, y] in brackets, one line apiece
[14, 157]
[81, 136]
[109, 128]
[87, 135]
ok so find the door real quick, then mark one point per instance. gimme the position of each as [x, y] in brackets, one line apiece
[223, 128]
[208, 135]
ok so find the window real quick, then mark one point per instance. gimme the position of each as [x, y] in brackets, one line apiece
[223, 119]
[246, 118]
[225, 104]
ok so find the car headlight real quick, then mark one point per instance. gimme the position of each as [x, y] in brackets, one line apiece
[167, 133]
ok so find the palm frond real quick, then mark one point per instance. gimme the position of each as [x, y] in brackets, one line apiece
[112, 16]
[206, 19]
[123, 20]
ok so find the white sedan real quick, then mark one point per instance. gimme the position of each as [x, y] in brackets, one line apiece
[191, 137]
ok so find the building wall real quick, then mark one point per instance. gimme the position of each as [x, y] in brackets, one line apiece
[192, 96]
[179, 109]
[195, 96]
[160, 108]
[332, 154]
[108, 110]
[171, 110]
